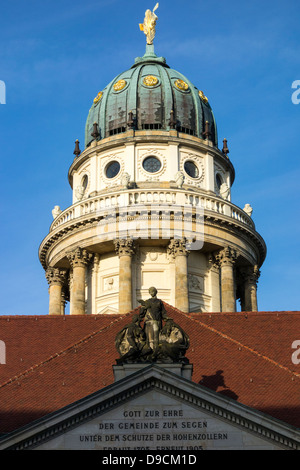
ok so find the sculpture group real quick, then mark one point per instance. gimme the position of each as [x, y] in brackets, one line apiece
[160, 339]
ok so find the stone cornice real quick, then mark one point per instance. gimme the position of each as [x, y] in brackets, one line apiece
[90, 220]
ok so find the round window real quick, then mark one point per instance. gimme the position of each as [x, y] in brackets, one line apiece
[152, 164]
[112, 169]
[191, 169]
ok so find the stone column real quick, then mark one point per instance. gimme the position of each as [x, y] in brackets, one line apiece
[226, 258]
[94, 282]
[177, 249]
[64, 299]
[125, 250]
[56, 278]
[250, 278]
[215, 291]
[79, 259]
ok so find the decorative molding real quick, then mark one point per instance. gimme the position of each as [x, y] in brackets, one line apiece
[198, 162]
[196, 283]
[148, 153]
[111, 182]
[98, 97]
[111, 283]
[181, 85]
[150, 81]
[120, 85]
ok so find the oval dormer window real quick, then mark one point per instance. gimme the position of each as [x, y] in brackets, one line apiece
[84, 182]
[218, 181]
[191, 169]
[152, 164]
[112, 169]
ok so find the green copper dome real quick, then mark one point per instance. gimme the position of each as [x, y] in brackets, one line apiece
[150, 95]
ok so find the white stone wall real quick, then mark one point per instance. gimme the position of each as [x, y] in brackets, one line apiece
[131, 156]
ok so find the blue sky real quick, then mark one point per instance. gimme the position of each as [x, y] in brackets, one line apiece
[56, 55]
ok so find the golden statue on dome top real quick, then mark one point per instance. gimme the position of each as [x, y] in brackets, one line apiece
[148, 27]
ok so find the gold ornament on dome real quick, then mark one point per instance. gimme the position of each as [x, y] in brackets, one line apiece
[119, 85]
[203, 97]
[150, 80]
[98, 97]
[181, 85]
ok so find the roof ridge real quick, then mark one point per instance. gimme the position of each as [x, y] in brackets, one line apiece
[253, 351]
[68, 348]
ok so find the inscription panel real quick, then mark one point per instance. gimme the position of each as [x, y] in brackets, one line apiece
[157, 422]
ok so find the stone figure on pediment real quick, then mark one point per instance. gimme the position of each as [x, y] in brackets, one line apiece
[173, 343]
[159, 340]
[131, 342]
[153, 312]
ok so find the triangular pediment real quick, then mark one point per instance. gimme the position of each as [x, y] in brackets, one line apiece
[154, 409]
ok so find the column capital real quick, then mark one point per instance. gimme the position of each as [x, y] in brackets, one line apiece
[227, 256]
[213, 262]
[124, 247]
[56, 276]
[79, 257]
[250, 274]
[177, 247]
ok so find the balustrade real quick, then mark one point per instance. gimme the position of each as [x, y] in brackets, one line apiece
[103, 203]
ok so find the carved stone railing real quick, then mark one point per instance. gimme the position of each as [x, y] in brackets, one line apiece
[212, 205]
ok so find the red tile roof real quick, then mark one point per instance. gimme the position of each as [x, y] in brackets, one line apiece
[54, 361]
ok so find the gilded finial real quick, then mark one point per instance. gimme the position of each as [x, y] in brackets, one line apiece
[148, 27]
